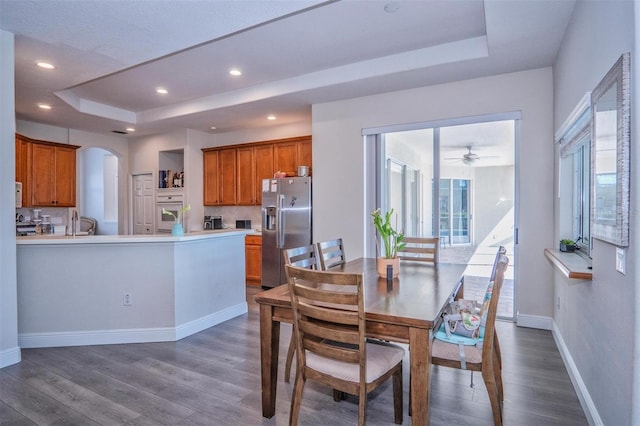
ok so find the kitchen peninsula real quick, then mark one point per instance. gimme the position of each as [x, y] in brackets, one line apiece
[92, 290]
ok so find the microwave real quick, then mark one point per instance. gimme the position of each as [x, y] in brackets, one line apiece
[212, 222]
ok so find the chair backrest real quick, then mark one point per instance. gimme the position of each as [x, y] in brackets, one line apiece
[331, 253]
[501, 251]
[302, 257]
[328, 315]
[489, 333]
[420, 249]
[88, 224]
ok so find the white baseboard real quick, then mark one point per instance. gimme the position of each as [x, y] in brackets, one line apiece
[534, 321]
[10, 356]
[146, 335]
[590, 410]
[203, 323]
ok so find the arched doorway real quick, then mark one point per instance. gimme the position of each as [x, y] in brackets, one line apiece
[99, 189]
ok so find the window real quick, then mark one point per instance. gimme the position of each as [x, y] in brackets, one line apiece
[581, 194]
[455, 211]
[403, 194]
[575, 153]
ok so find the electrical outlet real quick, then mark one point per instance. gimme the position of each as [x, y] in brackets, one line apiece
[621, 262]
[126, 300]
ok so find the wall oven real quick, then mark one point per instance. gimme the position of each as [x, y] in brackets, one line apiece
[172, 203]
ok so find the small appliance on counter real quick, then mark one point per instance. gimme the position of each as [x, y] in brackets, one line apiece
[212, 222]
[243, 224]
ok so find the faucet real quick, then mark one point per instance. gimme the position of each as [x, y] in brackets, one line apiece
[74, 222]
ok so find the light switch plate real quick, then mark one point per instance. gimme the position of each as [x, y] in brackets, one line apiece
[621, 260]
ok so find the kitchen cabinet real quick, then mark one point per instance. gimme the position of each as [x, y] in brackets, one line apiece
[219, 168]
[254, 163]
[253, 259]
[22, 168]
[233, 174]
[48, 173]
[292, 153]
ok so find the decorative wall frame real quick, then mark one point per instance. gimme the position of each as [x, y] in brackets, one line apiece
[610, 142]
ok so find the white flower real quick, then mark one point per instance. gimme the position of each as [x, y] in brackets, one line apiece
[180, 212]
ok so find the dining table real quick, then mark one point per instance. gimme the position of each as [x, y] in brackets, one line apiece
[407, 309]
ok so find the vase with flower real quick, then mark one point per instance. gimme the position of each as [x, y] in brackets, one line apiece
[177, 230]
[391, 242]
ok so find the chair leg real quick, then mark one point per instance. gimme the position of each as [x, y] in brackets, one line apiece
[397, 396]
[496, 349]
[497, 374]
[492, 389]
[290, 353]
[362, 408]
[296, 399]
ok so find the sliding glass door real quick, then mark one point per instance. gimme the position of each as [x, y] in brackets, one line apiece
[469, 197]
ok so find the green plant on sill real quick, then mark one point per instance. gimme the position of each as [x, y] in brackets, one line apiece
[567, 242]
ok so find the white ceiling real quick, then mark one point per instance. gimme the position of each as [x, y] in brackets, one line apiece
[110, 55]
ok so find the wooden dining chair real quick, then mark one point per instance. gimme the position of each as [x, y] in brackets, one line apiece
[486, 358]
[423, 249]
[329, 327]
[301, 257]
[331, 253]
[496, 342]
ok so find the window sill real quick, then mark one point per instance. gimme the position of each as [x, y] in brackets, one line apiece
[571, 265]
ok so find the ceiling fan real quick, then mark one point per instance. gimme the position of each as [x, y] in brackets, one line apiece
[467, 158]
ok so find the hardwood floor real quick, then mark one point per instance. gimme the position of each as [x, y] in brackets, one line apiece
[213, 378]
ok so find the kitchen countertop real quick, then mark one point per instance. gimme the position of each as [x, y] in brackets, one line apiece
[54, 239]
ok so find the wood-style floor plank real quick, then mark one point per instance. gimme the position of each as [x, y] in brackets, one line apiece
[213, 378]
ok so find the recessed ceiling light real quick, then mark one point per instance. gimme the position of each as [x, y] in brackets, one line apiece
[45, 65]
[213, 127]
[162, 91]
[130, 129]
[271, 117]
[235, 72]
[44, 106]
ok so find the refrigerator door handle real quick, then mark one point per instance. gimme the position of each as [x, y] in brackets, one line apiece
[280, 224]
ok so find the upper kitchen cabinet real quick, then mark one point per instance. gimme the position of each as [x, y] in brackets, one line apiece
[290, 153]
[254, 163]
[219, 170]
[233, 174]
[47, 171]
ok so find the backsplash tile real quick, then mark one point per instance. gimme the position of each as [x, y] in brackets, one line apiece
[232, 213]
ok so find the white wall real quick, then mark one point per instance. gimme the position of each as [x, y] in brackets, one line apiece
[339, 167]
[9, 350]
[600, 347]
[145, 159]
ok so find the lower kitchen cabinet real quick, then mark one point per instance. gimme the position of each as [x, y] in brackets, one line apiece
[253, 259]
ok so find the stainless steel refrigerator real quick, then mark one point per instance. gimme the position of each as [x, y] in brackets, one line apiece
[286, 223]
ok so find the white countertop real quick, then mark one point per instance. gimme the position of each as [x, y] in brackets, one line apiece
[118, 239]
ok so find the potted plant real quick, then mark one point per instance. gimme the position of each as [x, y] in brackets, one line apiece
[568, 245]
[177, 229]
[391, 240]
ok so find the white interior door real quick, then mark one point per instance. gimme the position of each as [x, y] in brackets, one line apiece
[143, 205]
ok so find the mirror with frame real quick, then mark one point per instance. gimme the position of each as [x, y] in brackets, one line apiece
[610, 102]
